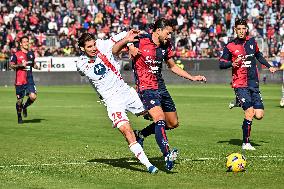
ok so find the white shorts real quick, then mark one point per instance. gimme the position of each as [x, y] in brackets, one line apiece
[125, 100]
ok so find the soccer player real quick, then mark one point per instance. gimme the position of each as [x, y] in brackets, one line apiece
[241, 54]
[23, 62]
[282, 98]
[154, 49]
[101, 67]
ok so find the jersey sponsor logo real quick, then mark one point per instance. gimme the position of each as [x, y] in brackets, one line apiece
[152, 64]
[251, 46]
[246, 64]
[236, 51]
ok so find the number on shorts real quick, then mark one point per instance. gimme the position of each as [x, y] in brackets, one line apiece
[116, 116]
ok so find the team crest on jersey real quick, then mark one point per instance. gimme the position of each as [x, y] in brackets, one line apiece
[251, 46]
[163, 52]
[99, 69]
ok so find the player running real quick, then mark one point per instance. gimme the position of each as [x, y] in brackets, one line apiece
[23, 62]
[241, 54]
[155, 48]
[101, 67]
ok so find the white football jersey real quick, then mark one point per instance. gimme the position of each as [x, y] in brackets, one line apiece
[102, 78]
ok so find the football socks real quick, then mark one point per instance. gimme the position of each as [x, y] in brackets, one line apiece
[246, 130]
[138, 151]
[28, 103]
[19, 109]
[150, 129]
[161, 137]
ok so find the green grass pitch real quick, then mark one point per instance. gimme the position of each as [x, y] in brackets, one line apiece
[67, 142]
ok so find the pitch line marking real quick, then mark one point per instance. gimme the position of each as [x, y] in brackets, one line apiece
[131, 161]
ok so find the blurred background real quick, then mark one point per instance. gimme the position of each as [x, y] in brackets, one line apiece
[202, 28]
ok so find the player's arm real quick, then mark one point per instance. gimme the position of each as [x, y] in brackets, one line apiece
[259, 56]
[130, 37]
[177, 70]
[225, 60]
[13, 63]
[35, 66]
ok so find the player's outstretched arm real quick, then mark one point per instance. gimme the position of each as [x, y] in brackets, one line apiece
[130, 37]
[177, 70]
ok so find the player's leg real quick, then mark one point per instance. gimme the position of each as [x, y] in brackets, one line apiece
[20, 93]
[282, 98]
[244, 96]
[135, 147]
[234, 103]
[117, 114]
[169, 109]
[161, 136]
[19, 107]
[31, 89]
[257, 103]
[165, 101]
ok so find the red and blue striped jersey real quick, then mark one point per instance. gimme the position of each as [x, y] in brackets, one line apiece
[246, 74]
[23, 75]
[148, 65]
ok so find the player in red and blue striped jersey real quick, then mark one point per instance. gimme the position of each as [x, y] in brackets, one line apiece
[154, 49]
[23, 62]
[241, 54]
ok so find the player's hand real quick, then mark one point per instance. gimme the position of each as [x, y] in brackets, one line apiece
[237, 62]
[199, 78]
[130, 37]
[273, 69]
[133, 51]
[24, 63]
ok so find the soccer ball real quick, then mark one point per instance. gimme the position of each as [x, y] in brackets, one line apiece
[282, 103]
[236, 162]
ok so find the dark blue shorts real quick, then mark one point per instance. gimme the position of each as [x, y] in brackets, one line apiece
[151, 98]
[249, 97]
[25, 90]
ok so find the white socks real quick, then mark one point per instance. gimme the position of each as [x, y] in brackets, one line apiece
[138, 151]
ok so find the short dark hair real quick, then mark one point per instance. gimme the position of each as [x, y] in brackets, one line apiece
[23, 37]
[84, 38]
[162, 23]
[240, 21]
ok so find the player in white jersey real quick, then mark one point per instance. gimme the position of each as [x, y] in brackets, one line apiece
[101, 67]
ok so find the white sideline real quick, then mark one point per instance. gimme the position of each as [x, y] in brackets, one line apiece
[280, 158]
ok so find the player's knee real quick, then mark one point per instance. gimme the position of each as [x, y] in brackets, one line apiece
[158, 117]
[249, 113]
[258, 116]
[33, 96]
[173, 124]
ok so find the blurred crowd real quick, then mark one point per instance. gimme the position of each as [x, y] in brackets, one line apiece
[202, 27]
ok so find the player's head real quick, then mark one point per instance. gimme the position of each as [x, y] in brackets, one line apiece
[163, 29]
[24, 42]
[87, 44]
[241, 28]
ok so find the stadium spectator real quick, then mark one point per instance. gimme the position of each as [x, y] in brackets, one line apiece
[195, 19]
